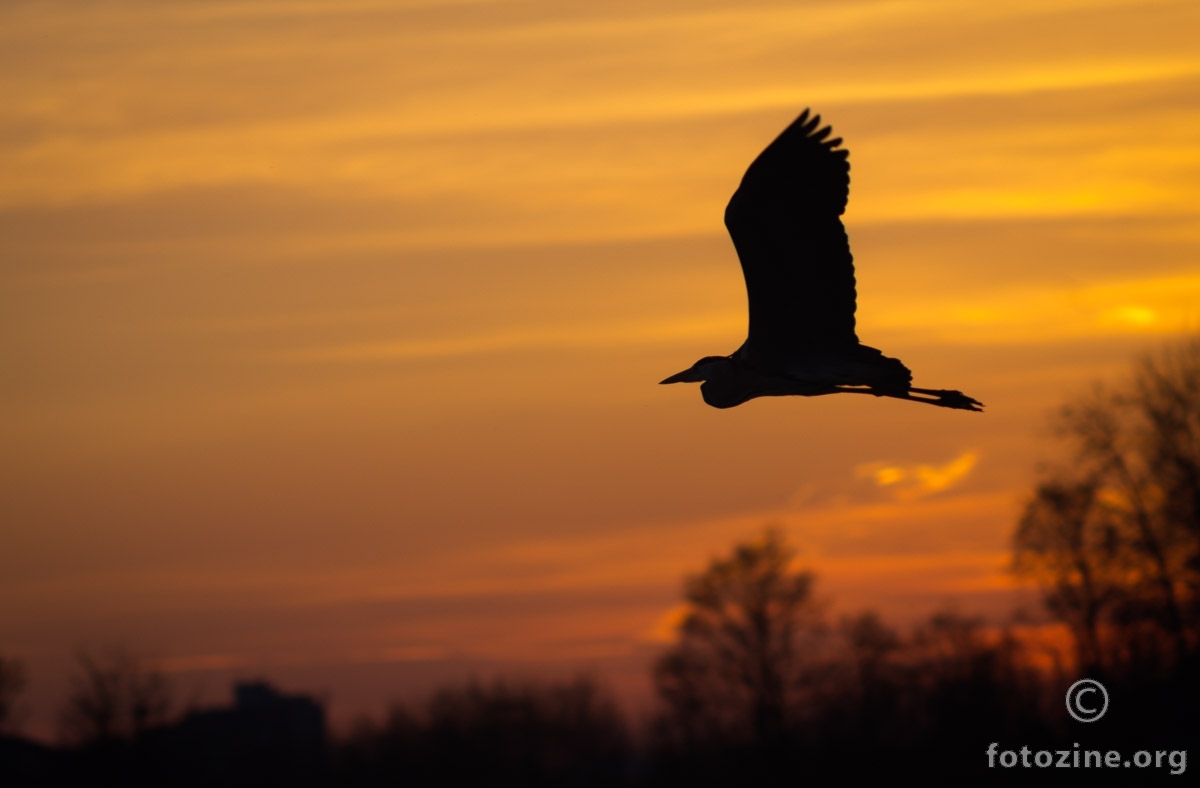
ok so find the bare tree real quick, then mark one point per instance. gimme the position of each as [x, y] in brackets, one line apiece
[1114, 538]
[743, 646]
[1167, 393]
[1074, 554]
[12, 682]
[871, 643]
[114, 698]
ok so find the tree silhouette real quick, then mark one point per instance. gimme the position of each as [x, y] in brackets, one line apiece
[739, 664]
[1114, 539]
[112, 699]
[1075, 555]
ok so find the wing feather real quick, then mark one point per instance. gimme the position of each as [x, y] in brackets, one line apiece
[784, 222]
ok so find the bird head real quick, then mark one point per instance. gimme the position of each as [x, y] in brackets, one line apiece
[702, 370]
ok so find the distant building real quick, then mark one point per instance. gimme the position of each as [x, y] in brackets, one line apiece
[266, 738]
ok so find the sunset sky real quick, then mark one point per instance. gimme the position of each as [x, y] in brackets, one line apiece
[331, 331]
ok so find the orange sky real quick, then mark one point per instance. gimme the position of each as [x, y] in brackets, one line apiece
[331, 331]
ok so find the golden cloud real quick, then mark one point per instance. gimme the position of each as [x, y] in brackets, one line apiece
[915, 481]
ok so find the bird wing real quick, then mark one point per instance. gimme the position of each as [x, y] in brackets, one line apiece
[784, 221]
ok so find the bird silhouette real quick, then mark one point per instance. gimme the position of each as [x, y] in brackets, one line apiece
[785, 223]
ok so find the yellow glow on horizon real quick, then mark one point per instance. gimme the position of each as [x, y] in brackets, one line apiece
[1165, 304]
[1133, 315]
[1025, 316]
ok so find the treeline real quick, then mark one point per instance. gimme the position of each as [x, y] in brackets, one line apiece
[761, 685]
[859, 701]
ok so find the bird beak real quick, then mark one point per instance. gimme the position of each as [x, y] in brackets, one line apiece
[687, 376]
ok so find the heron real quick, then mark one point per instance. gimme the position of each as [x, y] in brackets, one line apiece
[785, 222]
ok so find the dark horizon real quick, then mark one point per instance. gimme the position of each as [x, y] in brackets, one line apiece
[922, 701]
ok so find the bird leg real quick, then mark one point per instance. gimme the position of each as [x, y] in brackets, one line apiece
[948, 398]
[945, 398]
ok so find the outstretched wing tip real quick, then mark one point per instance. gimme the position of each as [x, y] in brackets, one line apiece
[784, 221]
